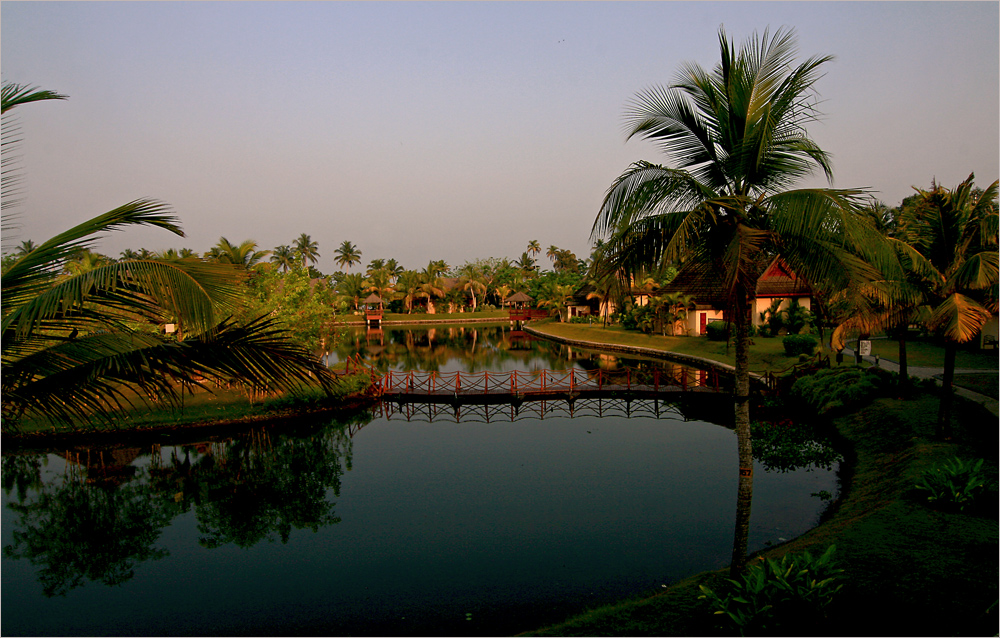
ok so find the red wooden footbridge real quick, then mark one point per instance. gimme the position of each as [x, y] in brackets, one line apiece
[518, 385]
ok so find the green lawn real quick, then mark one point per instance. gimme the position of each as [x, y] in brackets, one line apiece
[909, 569]
[928, 355]
[766, 354]
[983, 382]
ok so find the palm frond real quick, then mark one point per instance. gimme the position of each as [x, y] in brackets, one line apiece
[959, 317]
[97, 376]
[13, 95]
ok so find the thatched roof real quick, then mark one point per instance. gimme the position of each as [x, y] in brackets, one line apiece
[373, 298]
[519, 297]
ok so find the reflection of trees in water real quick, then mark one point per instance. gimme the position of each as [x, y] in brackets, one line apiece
[249, 489]
[98, 522]
[475, 348]
[73, 532]
[23, 471]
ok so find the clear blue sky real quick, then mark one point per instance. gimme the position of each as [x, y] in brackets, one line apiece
[447, 130]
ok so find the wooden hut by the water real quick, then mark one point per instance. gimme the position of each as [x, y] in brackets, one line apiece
[373, 311]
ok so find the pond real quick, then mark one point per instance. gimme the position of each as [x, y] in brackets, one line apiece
[387, 521]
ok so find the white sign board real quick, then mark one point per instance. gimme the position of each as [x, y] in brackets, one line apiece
[865, 347]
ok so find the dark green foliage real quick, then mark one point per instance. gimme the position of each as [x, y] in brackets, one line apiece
[717, 331]
[798, 344]
[790, 595]
[954, 484]
[839, 388]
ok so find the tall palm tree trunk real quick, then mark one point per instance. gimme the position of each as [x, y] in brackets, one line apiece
[744, 494]
[944, 408]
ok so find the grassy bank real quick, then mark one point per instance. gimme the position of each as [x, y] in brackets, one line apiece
[910, 570]
[202, 408]
[766, 354]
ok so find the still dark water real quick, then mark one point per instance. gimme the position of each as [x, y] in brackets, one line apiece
[379, 524]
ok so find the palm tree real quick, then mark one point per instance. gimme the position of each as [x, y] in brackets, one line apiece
[955, 233]
[375, 264]
[738, 140]
[472, 281]
[555, 297]
[245, 255]
[525, 263]
[431, 284]
[283, 257]
[351, 288]
[552, 253]
[307, 249]
[85, 261]
[534, 247]
[502, 292]
[347, 255]
[408, 285]
[26, 247]
[394, 269]
[81, 347]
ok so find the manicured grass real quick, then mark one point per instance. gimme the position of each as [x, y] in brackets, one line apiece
[201, 407]
[984, 383]
[766, 354]
[925, 354]
[910, 570]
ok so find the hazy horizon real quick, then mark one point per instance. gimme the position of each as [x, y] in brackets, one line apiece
[449, 131]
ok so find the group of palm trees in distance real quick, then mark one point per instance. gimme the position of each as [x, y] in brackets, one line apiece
[471, 284]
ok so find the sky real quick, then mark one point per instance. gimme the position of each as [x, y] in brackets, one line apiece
[451, 130]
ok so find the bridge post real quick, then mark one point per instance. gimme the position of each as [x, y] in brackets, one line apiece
[571, 379]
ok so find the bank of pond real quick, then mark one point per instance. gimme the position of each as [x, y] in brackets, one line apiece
[420, 519]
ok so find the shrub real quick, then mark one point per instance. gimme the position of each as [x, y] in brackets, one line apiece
[717, 330]
[798, 344]
[954, 484]
[791, 595]
[839, 388]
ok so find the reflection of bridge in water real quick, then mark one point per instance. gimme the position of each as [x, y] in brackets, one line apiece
[537, 409]
[516, 386]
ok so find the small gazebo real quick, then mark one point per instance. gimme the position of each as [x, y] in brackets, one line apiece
[519, 310]
[373, 310]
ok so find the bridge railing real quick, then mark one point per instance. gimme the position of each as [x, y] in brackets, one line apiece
[543, 381]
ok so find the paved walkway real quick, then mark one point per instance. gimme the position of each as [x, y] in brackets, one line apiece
[990, 403]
